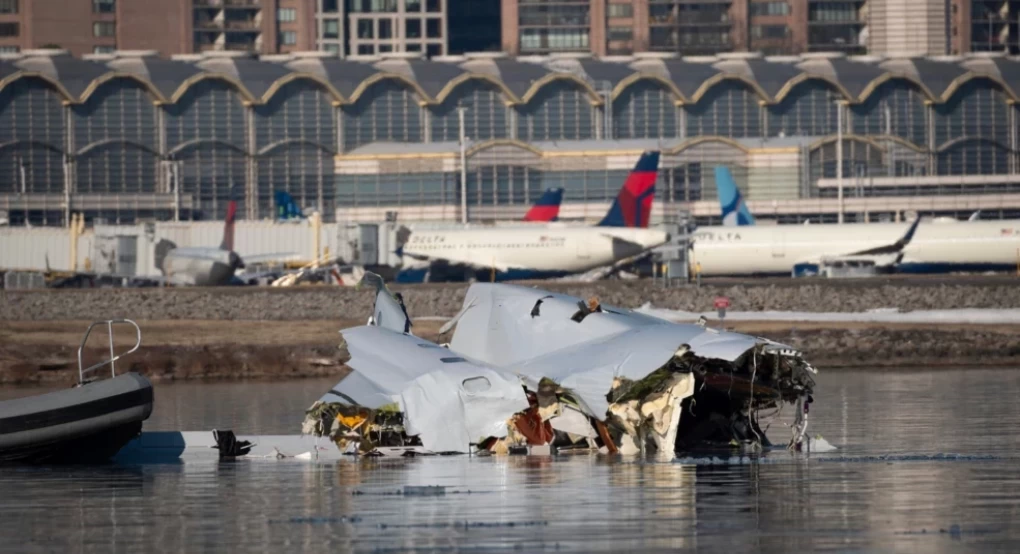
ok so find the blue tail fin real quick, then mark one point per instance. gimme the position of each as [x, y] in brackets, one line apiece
[734, 209]
[547, 208]
[286, 208]
[633, 205]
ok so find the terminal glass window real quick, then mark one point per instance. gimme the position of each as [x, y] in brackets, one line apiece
[8, 6]
[9, 29]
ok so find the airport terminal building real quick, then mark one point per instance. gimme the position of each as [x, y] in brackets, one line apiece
[130, 137]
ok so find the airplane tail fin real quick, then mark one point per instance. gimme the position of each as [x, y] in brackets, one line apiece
[228, 227]
[633, 205]
[286, 207]
[734, 209]
[547, 208]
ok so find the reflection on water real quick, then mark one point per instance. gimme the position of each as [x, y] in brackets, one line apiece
[579, 503]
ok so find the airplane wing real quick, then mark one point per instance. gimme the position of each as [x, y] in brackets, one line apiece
[894, 248]
[469, 259]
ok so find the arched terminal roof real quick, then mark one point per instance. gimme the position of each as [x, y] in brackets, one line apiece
[519, 79]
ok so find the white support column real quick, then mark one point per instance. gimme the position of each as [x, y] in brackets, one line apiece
[251, 191]
[463, 164]
[69, 168]
[681, 122]
[839, 159]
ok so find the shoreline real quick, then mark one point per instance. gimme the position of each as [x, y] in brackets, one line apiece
[44, 353]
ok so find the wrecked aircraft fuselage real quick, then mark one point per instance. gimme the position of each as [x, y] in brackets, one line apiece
[525, 367]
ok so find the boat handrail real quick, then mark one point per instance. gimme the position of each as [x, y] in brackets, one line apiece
[113, 357]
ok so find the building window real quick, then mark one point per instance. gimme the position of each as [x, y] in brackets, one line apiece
[9, 49]
[104, 6]
[769, 31]
[385, 48]
[385, 28]
[288, 38]
[8, 6]
[374, 6]
[412, 6]
[621, 33]
[413, 47]
[104, 29]
[331, 48]
[331, 29]
[433, 6]
[621, 10]
[433, 28]
[834, 12]
[365, 50]
[104, 49]
[770, 8]
[554, 39]
[285, 15]
[365, 29]
[433, 50]
[330, 6]
[412, 28]
[9, 29]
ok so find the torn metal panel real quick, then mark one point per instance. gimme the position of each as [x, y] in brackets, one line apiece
[450, 409]
[446, 400]
[389, 311]
[573, 421]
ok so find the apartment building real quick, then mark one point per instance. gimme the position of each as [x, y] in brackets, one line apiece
[774, 27]
[345, 27]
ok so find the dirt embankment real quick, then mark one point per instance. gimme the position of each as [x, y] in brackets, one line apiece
[45, 352]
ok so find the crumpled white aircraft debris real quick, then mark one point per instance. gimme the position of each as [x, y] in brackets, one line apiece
[526, 367]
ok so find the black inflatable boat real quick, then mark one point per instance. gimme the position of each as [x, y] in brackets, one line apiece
[85, 424]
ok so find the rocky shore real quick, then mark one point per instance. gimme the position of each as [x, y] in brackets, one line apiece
[318, 303]
[242, 333]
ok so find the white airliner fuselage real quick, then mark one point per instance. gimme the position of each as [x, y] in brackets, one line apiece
[545, 251]
[936, 246]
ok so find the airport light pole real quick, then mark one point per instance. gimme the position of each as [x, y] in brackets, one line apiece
[463, 164]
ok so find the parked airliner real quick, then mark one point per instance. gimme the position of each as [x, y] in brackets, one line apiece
[542, 251]
[206, 266]
[935, 247]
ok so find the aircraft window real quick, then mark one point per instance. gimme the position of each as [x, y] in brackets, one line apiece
[452, 360]
[476, 384]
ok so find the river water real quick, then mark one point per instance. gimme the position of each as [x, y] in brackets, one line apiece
[927, 462]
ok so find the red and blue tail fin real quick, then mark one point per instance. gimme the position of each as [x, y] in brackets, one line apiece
[547, 208]
[633, 206]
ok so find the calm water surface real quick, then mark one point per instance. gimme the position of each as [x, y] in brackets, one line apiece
[890, 487]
